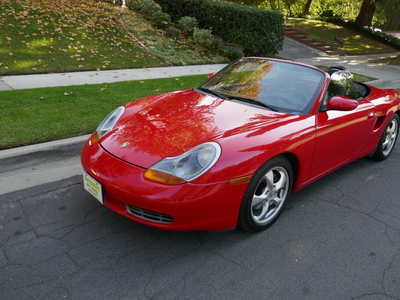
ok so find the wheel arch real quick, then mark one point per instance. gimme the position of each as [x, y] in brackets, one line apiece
[294, 162]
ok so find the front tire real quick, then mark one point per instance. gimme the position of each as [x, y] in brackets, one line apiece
[266, 195]
[388, 139]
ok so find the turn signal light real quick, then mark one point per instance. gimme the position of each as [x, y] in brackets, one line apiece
[94, 138]
[162, 177]
[240, 179]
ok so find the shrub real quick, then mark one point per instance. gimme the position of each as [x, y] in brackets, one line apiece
[259, 31]
[173, 32]
[151, 10]
[203, 36]
[135, 5]
[160, 19]
[188, 24]
[228, 52]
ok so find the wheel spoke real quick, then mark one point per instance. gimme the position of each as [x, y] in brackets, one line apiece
[269, 178]
[281, 183]
[386, 142]
[265, 210]
[257, 200]
[262, 192]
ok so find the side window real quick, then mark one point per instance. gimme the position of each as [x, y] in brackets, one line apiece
[326, 97]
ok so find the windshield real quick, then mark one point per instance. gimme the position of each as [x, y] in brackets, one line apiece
[276, 85]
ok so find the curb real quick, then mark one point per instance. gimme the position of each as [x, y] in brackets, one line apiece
[27, 156]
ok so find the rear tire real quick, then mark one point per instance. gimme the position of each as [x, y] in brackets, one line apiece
[388, 139]
[266, 196]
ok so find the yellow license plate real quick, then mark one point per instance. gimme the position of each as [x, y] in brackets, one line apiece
[93, 187]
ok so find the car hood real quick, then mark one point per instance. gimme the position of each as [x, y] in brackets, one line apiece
[168, 124]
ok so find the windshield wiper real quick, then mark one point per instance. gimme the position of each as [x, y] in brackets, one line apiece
[253, 102]
[212, 92]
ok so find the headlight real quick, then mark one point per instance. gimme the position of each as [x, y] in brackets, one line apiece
[107, 124]
[185, 167]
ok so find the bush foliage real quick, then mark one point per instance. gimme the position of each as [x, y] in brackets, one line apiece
[259, 31]
[173, 32]
[151, 10]
[203, 36]
[188, 24]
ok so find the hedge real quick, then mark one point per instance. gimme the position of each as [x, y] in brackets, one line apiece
[260, 32]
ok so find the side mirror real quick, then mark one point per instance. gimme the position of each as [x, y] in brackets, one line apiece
[342, 103]
[210, 75]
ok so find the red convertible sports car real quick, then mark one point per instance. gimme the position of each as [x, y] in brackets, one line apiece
[229, 152]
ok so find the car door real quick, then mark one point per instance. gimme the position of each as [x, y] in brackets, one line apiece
[341, 136]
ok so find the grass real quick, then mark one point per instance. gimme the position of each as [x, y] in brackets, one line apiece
[41, 36]
[355, 43]
[37, 115]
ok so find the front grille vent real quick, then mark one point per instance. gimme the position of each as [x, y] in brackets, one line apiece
[148, 214]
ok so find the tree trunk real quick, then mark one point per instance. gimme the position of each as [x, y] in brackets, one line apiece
[366, 12]
[273, 4]
[306, 10]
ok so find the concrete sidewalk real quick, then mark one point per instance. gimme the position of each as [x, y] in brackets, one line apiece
[29, 166]
[96, 77]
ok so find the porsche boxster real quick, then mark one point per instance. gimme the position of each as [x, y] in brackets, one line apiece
[228, 153]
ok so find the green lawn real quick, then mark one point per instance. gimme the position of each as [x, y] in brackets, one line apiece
[355, 42]
[37, 115]
[41, 36]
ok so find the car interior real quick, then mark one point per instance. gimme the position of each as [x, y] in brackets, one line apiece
[342, 84]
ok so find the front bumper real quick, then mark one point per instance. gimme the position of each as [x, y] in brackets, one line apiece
[185, 207]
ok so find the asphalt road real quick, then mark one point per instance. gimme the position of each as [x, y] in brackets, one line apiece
[338, 238]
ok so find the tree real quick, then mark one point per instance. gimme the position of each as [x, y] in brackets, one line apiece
[307, 6]
[391, 9]
[273, 4]
[289, 4]
[366, 13]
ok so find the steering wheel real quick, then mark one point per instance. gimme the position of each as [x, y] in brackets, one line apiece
[298, 101]
[301, 97]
